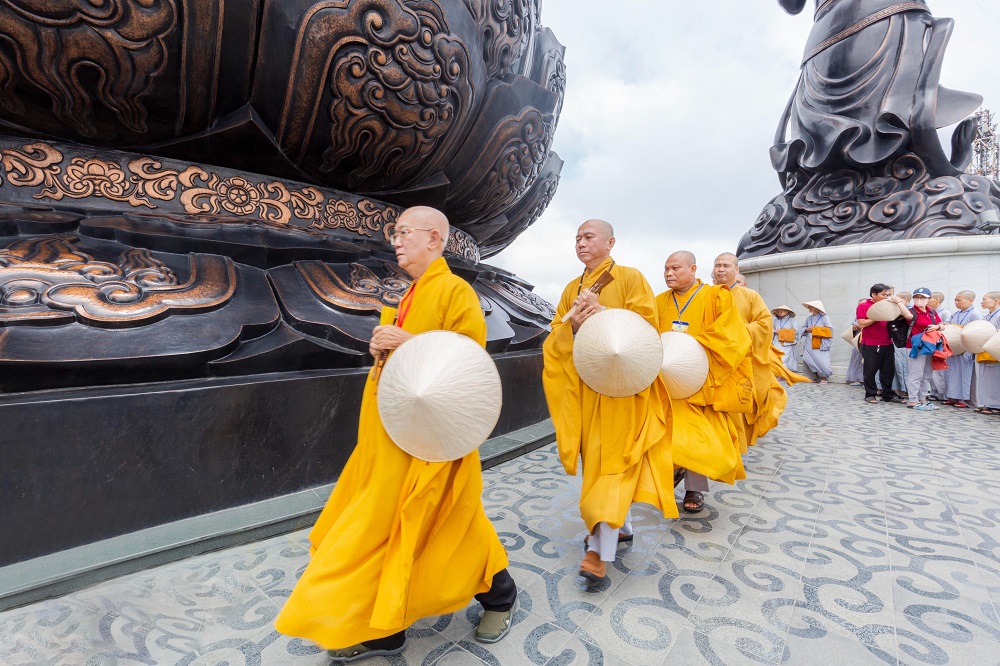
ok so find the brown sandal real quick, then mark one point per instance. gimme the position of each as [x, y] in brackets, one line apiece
[694, 501]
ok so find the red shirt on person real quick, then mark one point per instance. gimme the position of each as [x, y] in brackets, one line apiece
[921, 320]
[877, 334]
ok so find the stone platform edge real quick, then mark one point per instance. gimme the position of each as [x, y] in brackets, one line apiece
[76, 568]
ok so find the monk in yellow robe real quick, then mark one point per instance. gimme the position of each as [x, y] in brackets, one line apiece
[400, 538]
[704, 434]
[622, 441]
[769, 396]
[781, 371]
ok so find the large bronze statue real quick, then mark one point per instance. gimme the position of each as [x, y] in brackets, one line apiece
[196, 201]
[857, 149]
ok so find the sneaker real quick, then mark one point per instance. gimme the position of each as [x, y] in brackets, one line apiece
[922, 408]
[359, 652]
[494, 625]
[930, 407]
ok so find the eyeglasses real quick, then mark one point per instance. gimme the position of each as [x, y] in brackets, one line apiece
[403, 233]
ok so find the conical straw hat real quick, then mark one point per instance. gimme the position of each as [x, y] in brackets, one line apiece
[992, 346]
[685, 365]
[783, 307]
[976, 334]
[617, 353]
[883, 311]
[816, 304]
[953, 334]
[850, 337]
[439, 396]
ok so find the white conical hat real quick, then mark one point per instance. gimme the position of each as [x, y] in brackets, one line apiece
[976, 334]
[685, 365]
[439, 396]
[816, 304]
[783, 307]
[883, 311]
[850, 337]
[617, 353]
[992, 346]
[953, 334]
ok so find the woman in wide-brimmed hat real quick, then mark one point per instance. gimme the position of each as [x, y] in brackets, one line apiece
[817, 335]
[786, 335]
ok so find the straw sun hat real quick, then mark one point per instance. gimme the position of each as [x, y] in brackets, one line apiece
[783, 307]
[439, 396]
[685, 365]
[815, 304]
[953, 334]
[850, 337]
[883, 311]
[617, 353]
[992, 346]
[976, 334]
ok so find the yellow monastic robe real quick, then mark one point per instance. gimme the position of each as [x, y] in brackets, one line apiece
[705, 439]
[623, 441]
[782, 372]
[769, 396]
[399, 539]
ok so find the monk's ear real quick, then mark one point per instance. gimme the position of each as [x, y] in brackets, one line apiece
[792, 6]
[611, 242]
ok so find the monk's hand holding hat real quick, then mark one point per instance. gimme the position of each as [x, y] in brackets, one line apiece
[386, 338]
[585, 306]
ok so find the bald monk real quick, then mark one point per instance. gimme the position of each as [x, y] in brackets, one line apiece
[704, 436]
[769, 396]
[400, 538]
[622, 441]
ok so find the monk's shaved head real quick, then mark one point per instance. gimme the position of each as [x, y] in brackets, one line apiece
[679, 271]
[420, 236]
[427, 218]
[604, 228]
[683, 256]
[725, 269]
[594, 240]
[967, 295]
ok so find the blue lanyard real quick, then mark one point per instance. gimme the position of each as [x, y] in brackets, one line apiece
[990, 316]
[677, 306]
[966, 314]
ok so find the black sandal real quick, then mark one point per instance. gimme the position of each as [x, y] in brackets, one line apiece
[678, 476]
[694, 501]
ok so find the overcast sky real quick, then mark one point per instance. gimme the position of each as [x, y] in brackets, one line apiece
[671, 107]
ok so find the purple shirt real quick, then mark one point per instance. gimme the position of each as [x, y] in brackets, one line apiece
[876, 335]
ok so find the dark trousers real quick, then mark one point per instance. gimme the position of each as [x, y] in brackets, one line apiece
[879, 360]
[500, 597]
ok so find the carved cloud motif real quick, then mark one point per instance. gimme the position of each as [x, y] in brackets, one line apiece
[399, 81]
[121, 42]
[44, 279]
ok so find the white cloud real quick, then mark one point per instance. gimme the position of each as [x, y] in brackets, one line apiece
[671, 108]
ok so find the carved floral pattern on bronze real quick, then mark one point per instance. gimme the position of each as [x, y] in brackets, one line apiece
[145, 182]
[50, 281]
[365, 288]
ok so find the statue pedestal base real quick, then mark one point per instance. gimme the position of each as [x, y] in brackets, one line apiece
[841, 275]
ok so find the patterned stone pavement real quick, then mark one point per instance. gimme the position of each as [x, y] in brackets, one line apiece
[864, 534]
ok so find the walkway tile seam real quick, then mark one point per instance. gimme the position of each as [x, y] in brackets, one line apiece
[698, 605]
[978, 565]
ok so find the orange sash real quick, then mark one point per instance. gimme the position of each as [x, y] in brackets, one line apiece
[786, 335]
[985, 357]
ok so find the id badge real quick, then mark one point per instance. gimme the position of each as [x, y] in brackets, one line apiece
[679, 326]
